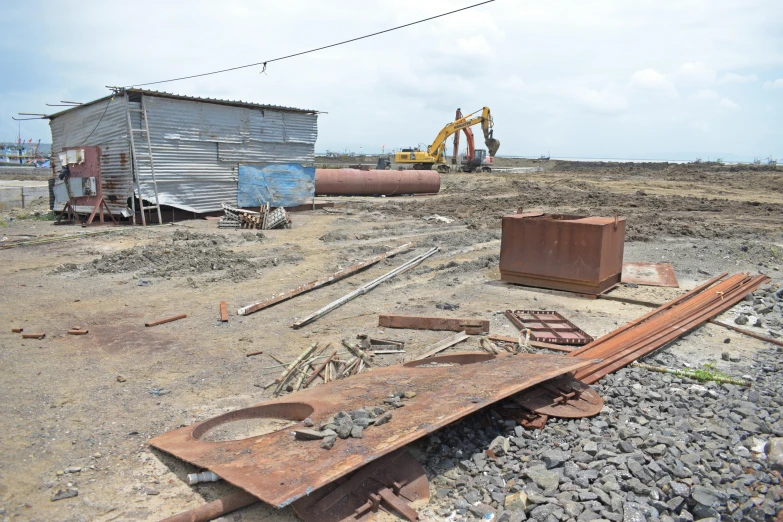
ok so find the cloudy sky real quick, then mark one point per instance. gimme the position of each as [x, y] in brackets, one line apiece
[613, 79]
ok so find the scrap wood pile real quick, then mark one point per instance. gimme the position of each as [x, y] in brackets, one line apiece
[305, 369]
[266, 219]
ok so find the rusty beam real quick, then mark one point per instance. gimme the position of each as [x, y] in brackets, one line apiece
[17, 330]
[167, 320]
[414, 322]
[223, 312]
[33, 336]
[312, 285]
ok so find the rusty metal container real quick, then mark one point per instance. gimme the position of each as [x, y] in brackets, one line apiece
[355, 182]
[562, 252]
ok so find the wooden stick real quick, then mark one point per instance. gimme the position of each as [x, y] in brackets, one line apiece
[442, 345]
[319, 369]
[358, 352]
[340, 274]
[286, 374]
[167, 320]
[251, 354]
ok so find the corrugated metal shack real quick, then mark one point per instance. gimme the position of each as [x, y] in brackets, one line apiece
[205, 152]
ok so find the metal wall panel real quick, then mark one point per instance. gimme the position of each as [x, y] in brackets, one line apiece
[280, 185]
[80, 126]
[198, 146]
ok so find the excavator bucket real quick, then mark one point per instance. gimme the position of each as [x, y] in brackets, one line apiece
[492, 145]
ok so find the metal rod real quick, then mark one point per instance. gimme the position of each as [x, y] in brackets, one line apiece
[167, 320]
[365, 288]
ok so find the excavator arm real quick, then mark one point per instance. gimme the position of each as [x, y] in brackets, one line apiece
[438, 147]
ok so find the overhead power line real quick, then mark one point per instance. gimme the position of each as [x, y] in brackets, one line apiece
[264, 63]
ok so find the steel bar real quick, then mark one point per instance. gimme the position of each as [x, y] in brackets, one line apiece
[548, 326]
[216, 508]
[646, 316]
[318, 370]
[167, 320]
[414, 322]
[33, 336]
[663, 325]
[365, 288]
[312, 285]
[17, 330]
[78, 332]
[760, 337]
[251, 354]
[223, 312]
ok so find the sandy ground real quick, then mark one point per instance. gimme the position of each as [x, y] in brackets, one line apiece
[63, 405]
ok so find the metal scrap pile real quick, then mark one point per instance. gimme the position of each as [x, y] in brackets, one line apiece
[266, 219]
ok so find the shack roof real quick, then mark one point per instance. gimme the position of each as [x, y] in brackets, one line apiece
[216, 101]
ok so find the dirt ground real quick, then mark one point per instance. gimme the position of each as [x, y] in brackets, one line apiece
[93, 402]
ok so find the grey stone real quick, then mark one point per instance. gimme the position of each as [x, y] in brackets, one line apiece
[308, 422]
[590, 447]
[516, 501]
[383, 419]
[357, 432]
[344, 429]
[547, 480]
[472, 496]
[500, 446]
[328, 442]
[741, 319]
[707, 496]
[631, 514]
[544, 510]
[775, 453]
[61, 494]
[482, 511]
[555, 458]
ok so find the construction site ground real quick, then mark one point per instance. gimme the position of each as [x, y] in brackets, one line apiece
[93, 402]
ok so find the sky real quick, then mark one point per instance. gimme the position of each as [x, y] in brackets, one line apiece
[590, 79]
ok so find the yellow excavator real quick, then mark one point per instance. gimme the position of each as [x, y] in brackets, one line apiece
[434, 155]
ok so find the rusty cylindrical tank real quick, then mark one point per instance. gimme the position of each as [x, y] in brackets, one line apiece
[355, 182]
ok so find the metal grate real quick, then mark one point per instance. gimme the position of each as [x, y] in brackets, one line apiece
[548, 327]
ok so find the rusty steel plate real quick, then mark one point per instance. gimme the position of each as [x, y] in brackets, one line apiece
[548, 327]
[278, 469]
[346, 499]
[650, 274]
[562, 396]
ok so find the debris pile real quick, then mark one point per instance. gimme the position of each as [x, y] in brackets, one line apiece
[345, 424]
[266, 219]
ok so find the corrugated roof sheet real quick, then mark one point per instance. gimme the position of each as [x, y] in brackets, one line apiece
[217, 101]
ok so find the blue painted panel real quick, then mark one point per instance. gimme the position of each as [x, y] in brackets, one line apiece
[280, 185]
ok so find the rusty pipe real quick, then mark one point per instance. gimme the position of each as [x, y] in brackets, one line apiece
[355, 182]
[216, 508]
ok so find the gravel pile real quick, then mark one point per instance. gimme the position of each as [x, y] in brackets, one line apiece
[663, 448]
[763, 309]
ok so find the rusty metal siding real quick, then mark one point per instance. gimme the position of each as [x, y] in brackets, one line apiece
[77, 127]
[197, 148]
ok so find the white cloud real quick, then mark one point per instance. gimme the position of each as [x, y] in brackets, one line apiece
[512, 82]
[696, 72]
[608, 100]
[737, 78]
[726, 103]
[777, 84]
[652, 80]
[707, 95]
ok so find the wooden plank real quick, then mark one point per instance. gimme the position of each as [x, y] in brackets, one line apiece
[223, 312]
[442, 345]
[413, 322]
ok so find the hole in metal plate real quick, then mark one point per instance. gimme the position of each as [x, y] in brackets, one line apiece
[251, 422]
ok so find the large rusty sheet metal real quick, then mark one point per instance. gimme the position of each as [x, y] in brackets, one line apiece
[562, 252]
[650, 274]
[279, 469]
